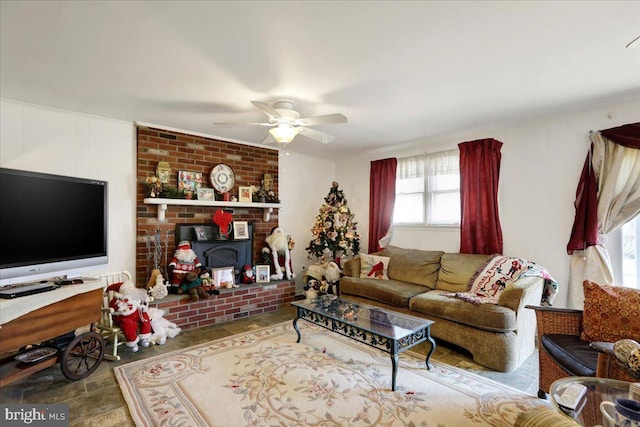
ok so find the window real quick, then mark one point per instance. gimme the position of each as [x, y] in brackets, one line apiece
[428, 189]
[631, 253]
[623, 246]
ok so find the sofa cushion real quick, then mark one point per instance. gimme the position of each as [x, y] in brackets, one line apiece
[611, 313]
[456, 270]
[374, 267]
[391, 292]
[413, 265]
[571, 353]
[489, 317]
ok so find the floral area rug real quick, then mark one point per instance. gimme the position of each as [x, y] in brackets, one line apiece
[265, 378]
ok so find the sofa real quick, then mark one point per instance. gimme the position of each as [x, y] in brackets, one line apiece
[499, 336]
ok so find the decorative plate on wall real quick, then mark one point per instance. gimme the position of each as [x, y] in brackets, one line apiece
[222, 178]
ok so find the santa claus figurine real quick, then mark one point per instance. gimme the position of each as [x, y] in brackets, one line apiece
[278, 253]
[184, 261]
[129, 306]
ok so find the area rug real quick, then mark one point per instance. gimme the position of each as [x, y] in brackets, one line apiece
[265, 378]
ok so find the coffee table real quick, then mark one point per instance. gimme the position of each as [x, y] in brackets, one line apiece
[386, 330]
[598, 390]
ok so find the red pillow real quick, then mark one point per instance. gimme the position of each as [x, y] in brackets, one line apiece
[611, 313]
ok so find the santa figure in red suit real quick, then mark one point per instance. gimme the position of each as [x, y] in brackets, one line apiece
[130, 313]
[184, 261]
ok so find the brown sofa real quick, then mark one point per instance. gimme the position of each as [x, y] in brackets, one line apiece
[499, 336]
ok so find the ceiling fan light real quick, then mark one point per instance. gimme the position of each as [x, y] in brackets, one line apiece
[283, 134]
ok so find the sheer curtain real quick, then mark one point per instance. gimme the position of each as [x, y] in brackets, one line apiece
[616, 167]
[429, 165]
[382, 197]
[480, 230]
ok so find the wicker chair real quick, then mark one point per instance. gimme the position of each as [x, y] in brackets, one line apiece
[566, 324]
[110, 332]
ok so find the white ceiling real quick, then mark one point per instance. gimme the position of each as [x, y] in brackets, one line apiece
[399, 71]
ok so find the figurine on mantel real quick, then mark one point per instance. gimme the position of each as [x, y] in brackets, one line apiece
[265, 193]
[278, 254]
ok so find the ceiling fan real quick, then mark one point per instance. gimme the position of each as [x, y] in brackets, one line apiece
[286, 123]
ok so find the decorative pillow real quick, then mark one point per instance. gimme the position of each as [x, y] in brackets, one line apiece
[374, 267]
[611, 313]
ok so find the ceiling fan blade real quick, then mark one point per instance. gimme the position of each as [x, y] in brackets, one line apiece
[266, 108]
[325, 138]
[268, 140]
[251, 124]
[321, 120]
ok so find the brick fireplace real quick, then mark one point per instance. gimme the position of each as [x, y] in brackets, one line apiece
[194, 153]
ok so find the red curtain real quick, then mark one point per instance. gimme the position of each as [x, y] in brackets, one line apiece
[382, 198]
[585, 225]
[480, 231]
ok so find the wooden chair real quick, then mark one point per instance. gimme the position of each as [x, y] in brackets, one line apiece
[562, 326]
[110, 332]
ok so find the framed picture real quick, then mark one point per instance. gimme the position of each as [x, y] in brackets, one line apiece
[201, 234]
[189, 181]
[206, 194]
[224, 277]
[245, 194]
[262, 273]
[240, 230]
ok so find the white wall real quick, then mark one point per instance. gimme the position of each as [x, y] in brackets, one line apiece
[42, 139]
[541, 163]
[304, 182]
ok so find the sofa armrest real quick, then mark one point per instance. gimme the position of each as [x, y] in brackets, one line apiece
[552, 320]
[351, 267]
[521, 292]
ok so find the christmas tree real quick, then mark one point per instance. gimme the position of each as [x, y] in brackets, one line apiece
[334, 232]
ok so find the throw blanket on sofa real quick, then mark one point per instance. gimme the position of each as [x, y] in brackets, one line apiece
[498, 273]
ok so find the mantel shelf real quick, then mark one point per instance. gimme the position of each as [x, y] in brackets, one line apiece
[164, 203]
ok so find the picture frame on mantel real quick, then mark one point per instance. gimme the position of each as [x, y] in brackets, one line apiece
[263, 273]
[244, 194]
[240, 230]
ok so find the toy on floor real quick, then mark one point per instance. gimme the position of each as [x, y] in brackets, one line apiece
[162, 328]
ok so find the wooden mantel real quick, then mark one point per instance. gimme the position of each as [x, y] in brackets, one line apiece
[164, 203]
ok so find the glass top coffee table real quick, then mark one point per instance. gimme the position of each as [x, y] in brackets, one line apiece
[587, 413]
[385, 330]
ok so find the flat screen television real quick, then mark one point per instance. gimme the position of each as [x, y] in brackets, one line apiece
[50, 225]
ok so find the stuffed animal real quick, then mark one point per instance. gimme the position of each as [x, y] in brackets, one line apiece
[278, 253]
[208, 284]
[246, 275]
[184, 261]
[322, 277]
[130, 306]
[192, 284]
[162, 328]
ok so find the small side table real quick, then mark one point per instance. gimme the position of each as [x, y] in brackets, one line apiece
[598, 390]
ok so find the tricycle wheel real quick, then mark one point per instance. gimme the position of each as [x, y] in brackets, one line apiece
[82, 356]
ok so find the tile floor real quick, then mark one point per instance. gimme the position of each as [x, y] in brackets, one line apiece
[97, 401]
